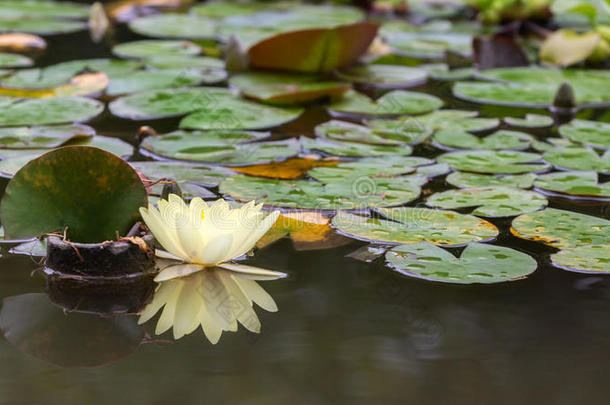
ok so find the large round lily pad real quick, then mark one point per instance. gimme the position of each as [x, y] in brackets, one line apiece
[412, 225]
[494, 162]
[91, 193]
[479, 263]
[59, 110]
[562, 229]
[578, 158]
[536, 87]
[396, 102]
[576, 184]
[590, 259]
[497, 201]
[384, 76]
[473, 180]
[502, 139]
[363, 193]
[189, 26]
[593, 133]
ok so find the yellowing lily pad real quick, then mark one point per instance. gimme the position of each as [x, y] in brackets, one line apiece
[473, 180]
[412, 225]
[593, 133]
[494, 162]
[497, 201]
[502, 139]
[396, 102]
[42, 136]
[576, 184]
[562, 229]
[479, 263]
[590, 259]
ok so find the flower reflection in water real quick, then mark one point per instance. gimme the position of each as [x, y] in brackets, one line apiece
[215, 299]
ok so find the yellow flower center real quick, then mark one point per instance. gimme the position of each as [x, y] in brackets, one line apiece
[202, 214]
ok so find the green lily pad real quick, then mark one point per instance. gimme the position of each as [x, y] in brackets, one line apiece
[20, 9]
[172, 25]
[429, 45]
[210, 108]
[57, 110]
[8, 60]
[494, 162]
[578, 184]
[396, 102]
[479, 263]
[562, 229]
[456, 120]
[198, 147]
[206, 175]
[221, 9]
[153, 80]
[578, 158]
[91, 192]
[530, 121]
[352, 149]
[551, 143]
[590, 259]
[148, 48]
[185, 62]
[407, 130]
[286, 88]
[41, 25]
[384, 76]
[412, 225]
[593, 133]
[502, 139]
[535, 87]
[453, 74]
[369, 167]
[347, 131]
[37, 137]
[474, 180]
[367, 192]
[497, 201]
[189, 190]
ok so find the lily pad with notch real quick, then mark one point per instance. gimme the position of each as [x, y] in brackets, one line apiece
[396, 102]
[578, 158]
[206, 175]
[474, 180]
[494, 162]
[497, 201]
[369, 167]
[530, 121]
[373, 133]
[592, 133]
[352, 149]
[148, 48]
[142, 80]
[46, 136]
[412, 225]
[575, 184]
[589, 259]
[478, 263]
[455, 120]
[173, 25]
[45, 111]
[502, 139]
[384, 76]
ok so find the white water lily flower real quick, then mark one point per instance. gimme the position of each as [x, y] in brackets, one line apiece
[203, 235]
[214, 299]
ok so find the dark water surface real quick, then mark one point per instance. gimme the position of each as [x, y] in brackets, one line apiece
[346, 332]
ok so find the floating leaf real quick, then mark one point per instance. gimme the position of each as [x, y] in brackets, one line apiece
[530, 121]
[165, 62]
[590, 259]
[479, 263]
[15, 112]
[535, 87]
[367, 192]
[593, 133]
[578, 158]
[171, 25]
[455, 120]
[502, 139]
[368, 167]
[384, 76]
[578, 184]
[86, 84]
[473, 180]
[23, 9]
[494, 162]
[286, 88]
[396, 102]
[562, 229]
[288, 169]
[91, 192]
[183, 172]
[41, 26]
[352, 149]
[153, 80]
[412, 225]
[13, 60]
[42, 136]
[498, 201]
[210, 108]
[566, 47]
[374, 133]
[147, 48]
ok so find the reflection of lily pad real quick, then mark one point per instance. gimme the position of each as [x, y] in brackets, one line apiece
[578, 158]
[368, 192]
[562, 229]
[479, 263]
[501, 139]
[353, 149]
[467, 180]
[498, 201]
[384, 76]
[147, 48]
[189, 26]
[179, 171]
[535, 87]
[583, 184]
[530, 121]
[286, 88]
[91, 192]
[396, 102]
[494, 162]
[412, 225]
[14, 112]
[591, 259]
[596, 134]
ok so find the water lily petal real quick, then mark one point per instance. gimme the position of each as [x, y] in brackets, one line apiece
[254, 273]
[176, 271]
[216, 249]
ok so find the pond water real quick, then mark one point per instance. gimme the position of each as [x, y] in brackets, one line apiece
[347, 332]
